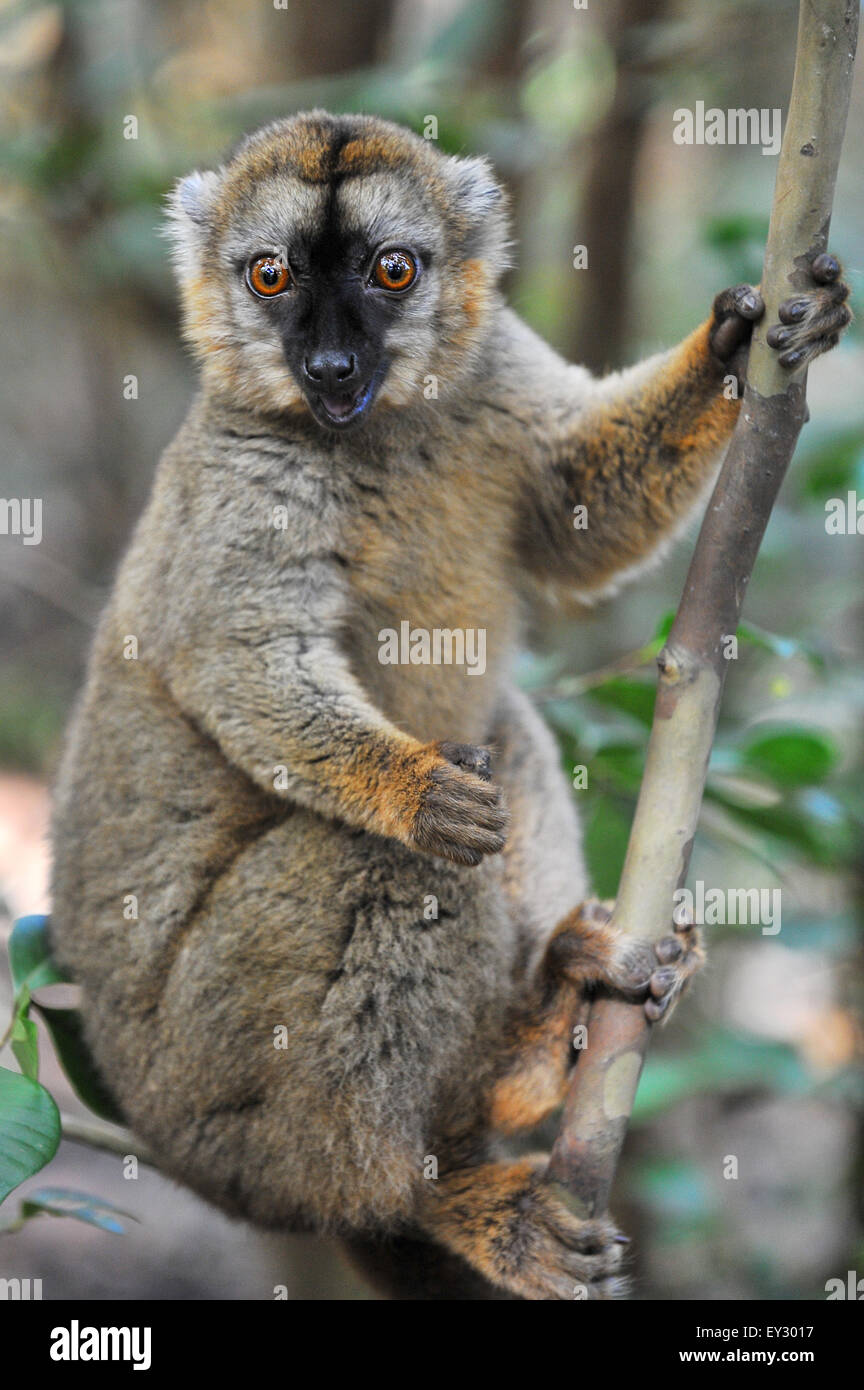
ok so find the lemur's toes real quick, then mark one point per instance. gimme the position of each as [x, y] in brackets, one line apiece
[555, 1255]
[668, 948]
[680, 956]
[587, 948]
[735, 312]
[596, 913]
[811, 322]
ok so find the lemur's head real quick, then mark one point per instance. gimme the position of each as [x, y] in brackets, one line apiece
[337, 260]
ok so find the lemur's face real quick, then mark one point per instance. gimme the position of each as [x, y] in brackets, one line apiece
[335, 262]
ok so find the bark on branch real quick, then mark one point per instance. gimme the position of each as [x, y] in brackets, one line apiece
[692, 666]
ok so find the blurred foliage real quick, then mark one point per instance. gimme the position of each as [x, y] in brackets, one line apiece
[30, 1128]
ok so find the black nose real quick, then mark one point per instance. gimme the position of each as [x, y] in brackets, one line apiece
[330, 371]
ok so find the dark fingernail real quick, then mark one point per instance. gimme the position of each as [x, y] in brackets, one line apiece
[793, 359]
[825, 267]
[793, 310]
[776, 337]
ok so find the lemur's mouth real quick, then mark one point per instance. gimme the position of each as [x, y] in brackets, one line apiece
[347, 406]
[338, 409]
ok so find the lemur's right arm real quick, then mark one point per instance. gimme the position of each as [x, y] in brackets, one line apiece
[636, 449]
[285, 707]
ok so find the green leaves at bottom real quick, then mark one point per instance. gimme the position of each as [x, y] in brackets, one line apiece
[29, 1129]
[82, 1206]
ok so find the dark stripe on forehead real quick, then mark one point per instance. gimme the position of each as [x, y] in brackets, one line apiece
[325, 151]
[329, 240]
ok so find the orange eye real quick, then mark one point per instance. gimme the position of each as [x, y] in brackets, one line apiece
[395, 270]
[268, 276]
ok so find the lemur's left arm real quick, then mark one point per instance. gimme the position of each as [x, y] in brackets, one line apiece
[636, 449]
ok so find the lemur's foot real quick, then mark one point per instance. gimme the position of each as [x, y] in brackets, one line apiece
[550, 1253]
[587, 949]
[522, 1235]
[811, 322]
[462, 815]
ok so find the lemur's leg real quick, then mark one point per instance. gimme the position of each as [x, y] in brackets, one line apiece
[638, 452]
[583, 951]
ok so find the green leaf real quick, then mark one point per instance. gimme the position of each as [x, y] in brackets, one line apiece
[606, 834]
[620, 765]
[740, 240]
[664, 627]
[733, 229]
[30, 955]
[812, 823]
[25, 1045]
[67, 1034]
[29, 1129]
[725, 1062]
[82, 1206]
[834, 467]
[675, 1188]
[633, 697]
[791, 757]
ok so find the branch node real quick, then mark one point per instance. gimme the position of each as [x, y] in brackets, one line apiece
[676, 664]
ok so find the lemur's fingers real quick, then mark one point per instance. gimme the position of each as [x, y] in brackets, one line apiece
[462, 815]
[734, 313]
[826, 268]
[469, 758]
[811, 322]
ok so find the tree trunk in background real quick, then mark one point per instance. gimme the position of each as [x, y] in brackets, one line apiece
[337, 37]
[502, 68]
[606, 222]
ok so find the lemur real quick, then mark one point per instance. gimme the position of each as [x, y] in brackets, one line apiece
[359, 944]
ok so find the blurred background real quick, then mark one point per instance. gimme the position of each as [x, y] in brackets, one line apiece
[575, 107]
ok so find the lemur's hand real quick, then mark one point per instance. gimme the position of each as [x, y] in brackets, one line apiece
[461, 815]
[810, 322]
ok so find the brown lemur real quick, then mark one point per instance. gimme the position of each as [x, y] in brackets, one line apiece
[329, 958]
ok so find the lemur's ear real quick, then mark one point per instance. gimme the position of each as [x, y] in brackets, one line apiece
[476, 190]
[189, 205]
[481, 200]
[193, 195]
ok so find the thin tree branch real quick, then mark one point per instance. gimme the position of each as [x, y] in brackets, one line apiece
[692, 666]
[112, 1139]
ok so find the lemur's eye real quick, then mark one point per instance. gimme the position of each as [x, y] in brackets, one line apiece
[394, 270]
[268, 275]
